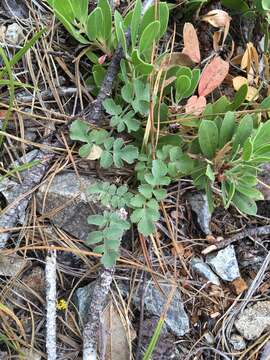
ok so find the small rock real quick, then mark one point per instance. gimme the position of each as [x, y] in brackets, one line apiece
[12, 265]
[238, 342]
[254, 320]
[209, 338]
[29, 354]
[199, 204]
[154, 301]
[66, 203]
[224, 263]
[265, 355]
[264, 178]
[82, 299]
[204, 270]
[14, 34]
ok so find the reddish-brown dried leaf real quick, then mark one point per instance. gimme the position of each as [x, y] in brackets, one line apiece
[212, 76]
[191, 43]
[195, 105]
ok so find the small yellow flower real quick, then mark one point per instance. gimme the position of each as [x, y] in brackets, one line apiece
[61, 304]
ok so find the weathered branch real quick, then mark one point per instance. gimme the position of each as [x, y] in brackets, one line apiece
[50, 271]
[91, 328]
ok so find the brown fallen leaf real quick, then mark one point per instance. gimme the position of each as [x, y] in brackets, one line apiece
[213, 75]
[250, 62]
[239, 285]
[191, 43]
[195, 105]
[220, 19]
[176, 58]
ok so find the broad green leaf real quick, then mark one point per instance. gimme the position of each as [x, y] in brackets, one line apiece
[146, 190]
[79, 131]
[239, 98]
[135, 22]
[160, 194]
[148, 38]
[137, 201]
[159, 169]
[63, 8]
[163, 18]
[162, 14]
[94, 237]
[184, 71]
[111, 107]
[96, 220]
[238, 5]
[250, 192]
[228, 191]
[131, 123]
[127, 92]
[107, 18]
[94, 24]
[247, 149]
[196, 73]
[129, 153]
[99, 73]
[262, 135]
[146, 225]
[265, 104]
[243, 131]
[106, 159]
[227, 129]
[248, 180]
[263, 150]
[70, 28]
[118, 20]
[80, 9]
[244, 204]
[265, 4]
[183, 84]
[209, 173]
[85, 150]
[140, 65]
[208, 138]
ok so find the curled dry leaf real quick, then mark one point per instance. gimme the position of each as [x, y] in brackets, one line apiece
[220, 19]
[95, 152]
[191, 43]
[213, 75]
[250, 62]
[176, 58]
[217, 18]
[252, 93]
[195, 105]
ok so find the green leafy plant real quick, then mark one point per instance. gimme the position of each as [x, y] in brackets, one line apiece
[219, 150]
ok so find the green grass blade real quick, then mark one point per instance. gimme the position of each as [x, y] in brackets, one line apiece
[154, 340]
[11, 88]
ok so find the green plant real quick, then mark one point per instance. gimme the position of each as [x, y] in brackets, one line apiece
[219, 150]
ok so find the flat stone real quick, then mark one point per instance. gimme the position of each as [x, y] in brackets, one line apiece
[12, 265]
[199, 204]
[14, 34]
[66, 203]
[224, 263]
[238, 342]
[204, 270]
[154, 302]
[254, 320]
